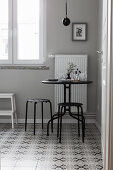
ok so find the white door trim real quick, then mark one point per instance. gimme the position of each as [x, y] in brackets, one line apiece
[108, 147]
[110, 127]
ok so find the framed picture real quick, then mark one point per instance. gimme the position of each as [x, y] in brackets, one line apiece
[79, 31]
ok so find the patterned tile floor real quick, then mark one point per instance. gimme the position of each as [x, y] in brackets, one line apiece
[23, 151]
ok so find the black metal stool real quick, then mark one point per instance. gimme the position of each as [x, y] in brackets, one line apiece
[35, 101]
[77, 116]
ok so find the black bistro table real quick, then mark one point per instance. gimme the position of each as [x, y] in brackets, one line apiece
[67, 85]
[67, 94]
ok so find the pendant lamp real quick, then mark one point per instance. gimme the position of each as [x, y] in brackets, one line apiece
[66, 20]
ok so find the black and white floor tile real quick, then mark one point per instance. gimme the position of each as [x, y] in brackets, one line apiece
[22, 150]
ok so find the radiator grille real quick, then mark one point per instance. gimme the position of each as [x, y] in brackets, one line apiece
[78, 92]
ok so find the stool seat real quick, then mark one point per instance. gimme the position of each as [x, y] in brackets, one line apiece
[38, 100]
[70, 104]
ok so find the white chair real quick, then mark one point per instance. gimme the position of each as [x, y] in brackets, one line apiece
[11, 112]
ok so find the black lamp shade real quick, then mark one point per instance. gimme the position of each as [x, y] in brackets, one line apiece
[66, 21]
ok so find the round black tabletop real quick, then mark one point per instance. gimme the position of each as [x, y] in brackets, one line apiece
[66, 82]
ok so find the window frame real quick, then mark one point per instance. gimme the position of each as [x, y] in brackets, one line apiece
[12, 36]
[9, 60]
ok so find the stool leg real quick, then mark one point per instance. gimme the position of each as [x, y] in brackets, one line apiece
[58, 122]
[12, 119]
[51, 117]
[78, 122]
[16, 118]
[60, 126]
[34, 116]
[12, 108]
[83, 130]
[15, 110]
[26, 115]
[48, 127]
[42, 114]
[82, 125]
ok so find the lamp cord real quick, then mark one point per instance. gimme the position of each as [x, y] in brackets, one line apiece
[66, 8]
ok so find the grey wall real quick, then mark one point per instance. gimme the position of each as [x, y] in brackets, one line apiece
[27, 83]
[99, 76]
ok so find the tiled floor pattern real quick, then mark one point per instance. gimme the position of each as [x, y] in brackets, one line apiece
[23, 151]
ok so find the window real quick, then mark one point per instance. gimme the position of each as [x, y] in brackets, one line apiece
[4, 30]
[22, 31]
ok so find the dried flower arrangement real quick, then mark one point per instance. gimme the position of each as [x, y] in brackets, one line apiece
[71, 67]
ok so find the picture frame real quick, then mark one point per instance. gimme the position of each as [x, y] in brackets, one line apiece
[79, 31]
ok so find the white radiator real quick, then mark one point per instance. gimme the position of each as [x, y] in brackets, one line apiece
[78, 92]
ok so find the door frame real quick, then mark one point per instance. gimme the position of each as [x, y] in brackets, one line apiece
[108, 148]
[110, 140]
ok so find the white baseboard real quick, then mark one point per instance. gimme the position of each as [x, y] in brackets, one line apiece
[98, 126]
[90, 118]
[46, 120]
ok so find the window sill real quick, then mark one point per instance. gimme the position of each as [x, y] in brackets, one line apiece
[24, 67]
